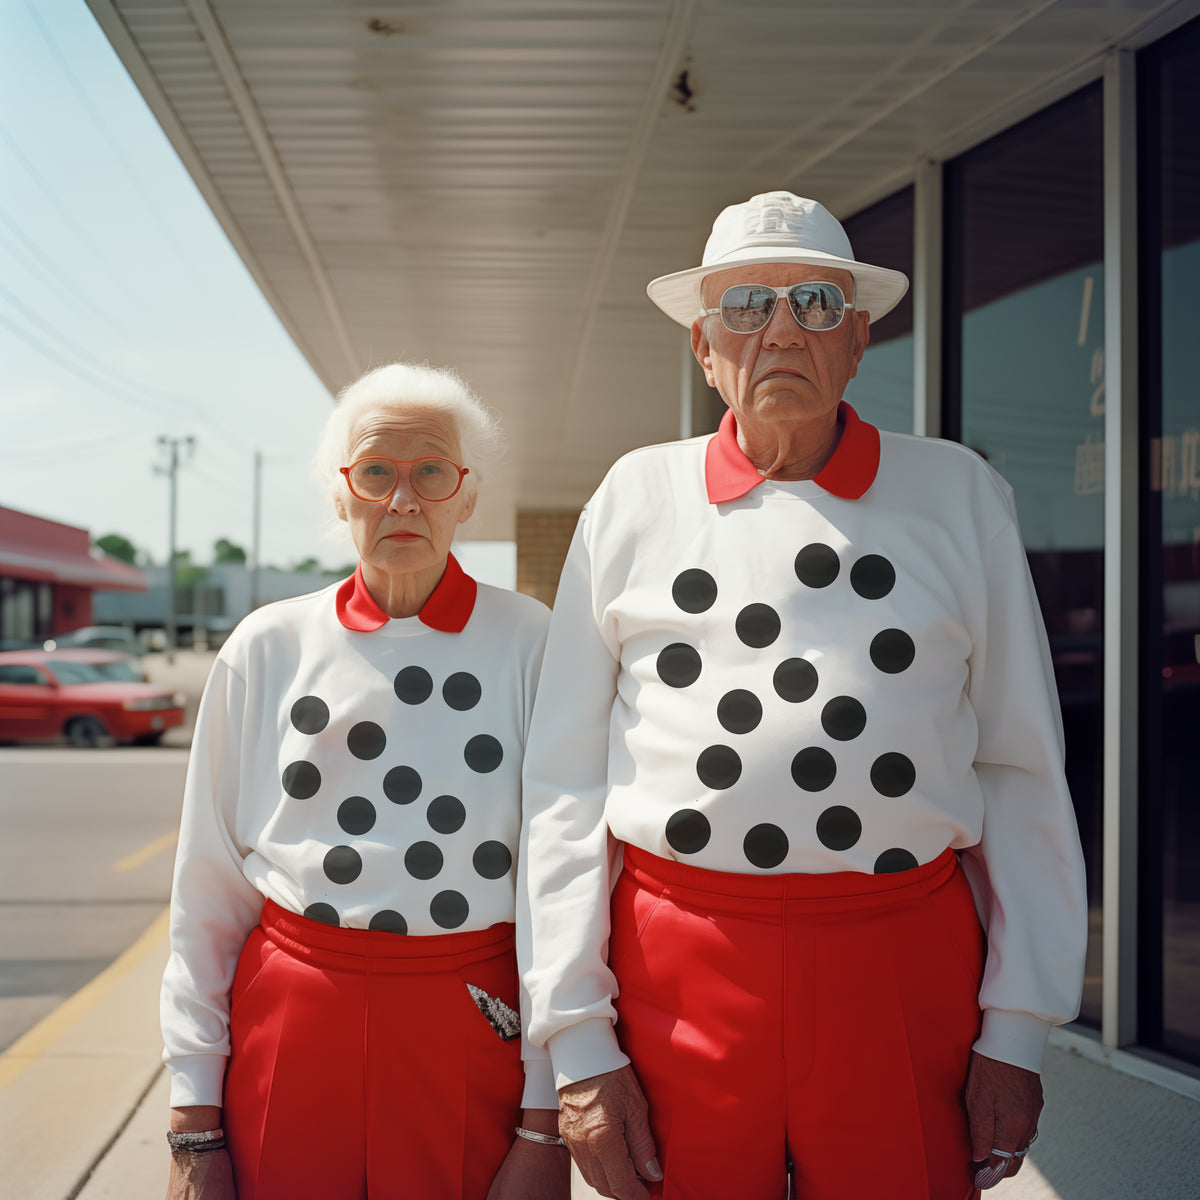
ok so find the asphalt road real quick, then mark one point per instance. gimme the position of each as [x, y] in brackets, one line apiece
[87, 845]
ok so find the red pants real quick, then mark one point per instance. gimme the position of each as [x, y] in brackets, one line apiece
[361, 1064]
[821, 1019]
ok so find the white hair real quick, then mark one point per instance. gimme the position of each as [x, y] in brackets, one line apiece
[405, 388]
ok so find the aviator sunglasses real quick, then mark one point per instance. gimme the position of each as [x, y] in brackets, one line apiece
[748, 307]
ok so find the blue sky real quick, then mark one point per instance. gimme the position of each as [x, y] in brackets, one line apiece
[125, 314]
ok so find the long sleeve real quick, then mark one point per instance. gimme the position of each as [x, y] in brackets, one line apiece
[1027, 869]
[567, 855]
[213, 906]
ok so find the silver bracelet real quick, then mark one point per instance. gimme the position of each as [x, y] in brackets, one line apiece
[199, 1140]
[542, 1139]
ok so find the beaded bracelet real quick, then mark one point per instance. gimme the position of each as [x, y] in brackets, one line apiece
[542, 1139]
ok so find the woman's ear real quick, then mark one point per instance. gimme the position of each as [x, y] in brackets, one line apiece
[339, 507]
[468, 507]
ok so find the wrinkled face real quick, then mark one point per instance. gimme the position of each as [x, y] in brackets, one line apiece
[404, 533]
[783, 372]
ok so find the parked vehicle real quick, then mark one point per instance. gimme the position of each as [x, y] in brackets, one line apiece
[98, 637]
[88, 697]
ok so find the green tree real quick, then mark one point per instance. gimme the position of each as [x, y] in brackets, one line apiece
[118, 547]
[309, 566]
[225, 551]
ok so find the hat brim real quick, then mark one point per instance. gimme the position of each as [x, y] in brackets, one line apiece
[876, 289]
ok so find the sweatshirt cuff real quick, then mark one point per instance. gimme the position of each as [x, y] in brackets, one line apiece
[1018, 1038]
[197, 1078]
[539, 1084]
[583, 1050]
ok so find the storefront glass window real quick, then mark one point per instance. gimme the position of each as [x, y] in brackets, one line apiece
[882, 392]
[1025, 389]
[1169, 942]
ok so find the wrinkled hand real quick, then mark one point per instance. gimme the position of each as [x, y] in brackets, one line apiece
[533, 1172]
[201, 1177]
[604, 1121]
[1003, 1104]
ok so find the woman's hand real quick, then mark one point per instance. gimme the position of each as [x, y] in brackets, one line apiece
[532, 1171]
[207, 1175]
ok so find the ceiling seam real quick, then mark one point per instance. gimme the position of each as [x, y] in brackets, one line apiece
[678, 27]
[957, 64]
[238, 90]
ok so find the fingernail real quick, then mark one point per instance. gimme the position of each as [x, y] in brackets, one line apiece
[653, 1170]
[987, 1177]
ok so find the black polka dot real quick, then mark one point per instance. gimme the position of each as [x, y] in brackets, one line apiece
[688, 831]
[356, 815]
[301, 780]
[739, 711]
[765, 846]
[387, 920]
[892, 651]
[310, 714]
[843, 718]
[343, 864]
[718, 767]
[872, 577]
[483, 753]
[795, 680]
[694, 591]
[325, 913]
[449, 909]
[813, 769]
[817, 565]
[757, 625]
[492, 860]
[678, 665]
[446, 814]
[402, 785]
[839, 828]
[461, 691]
[423, 860]
[413, 685]
[366, 740]
[893, 774]
[893, 860]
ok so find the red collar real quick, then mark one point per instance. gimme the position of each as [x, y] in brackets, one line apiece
[448, 608]
[729, 474]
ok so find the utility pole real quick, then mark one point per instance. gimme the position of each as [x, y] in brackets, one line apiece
[171, 470]
[257, 529]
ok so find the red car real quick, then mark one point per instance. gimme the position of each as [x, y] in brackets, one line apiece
[90, 697]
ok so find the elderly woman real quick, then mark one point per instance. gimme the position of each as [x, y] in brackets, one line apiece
[340, 1005]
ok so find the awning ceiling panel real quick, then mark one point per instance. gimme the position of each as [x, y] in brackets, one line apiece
[491, 183]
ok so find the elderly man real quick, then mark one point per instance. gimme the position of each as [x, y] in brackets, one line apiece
[797, 716]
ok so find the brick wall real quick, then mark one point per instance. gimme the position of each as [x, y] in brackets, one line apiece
[543, 537]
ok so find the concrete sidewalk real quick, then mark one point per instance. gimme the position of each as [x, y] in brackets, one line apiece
[83, 1107]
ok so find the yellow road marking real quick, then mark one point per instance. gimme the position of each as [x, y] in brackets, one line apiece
[28, 1048]
[146, 852]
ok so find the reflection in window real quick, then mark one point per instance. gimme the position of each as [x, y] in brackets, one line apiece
[1169, 941]
[882, 391]
[1025, 338]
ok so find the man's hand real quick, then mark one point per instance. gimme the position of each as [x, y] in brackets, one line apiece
[1003, 1104]
[604, 1122]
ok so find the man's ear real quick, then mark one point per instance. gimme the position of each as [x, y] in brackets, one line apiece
[862, 337]
[703, 352]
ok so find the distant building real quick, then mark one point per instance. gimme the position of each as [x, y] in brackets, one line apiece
[214, 605]
[49, 574]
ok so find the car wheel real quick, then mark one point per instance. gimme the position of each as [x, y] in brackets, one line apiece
[88, 731]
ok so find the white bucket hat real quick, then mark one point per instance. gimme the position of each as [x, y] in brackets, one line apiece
[777, 227]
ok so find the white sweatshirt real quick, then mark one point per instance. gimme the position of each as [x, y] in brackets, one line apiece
[359, 770]
[841, 674]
